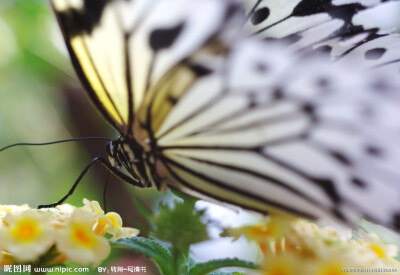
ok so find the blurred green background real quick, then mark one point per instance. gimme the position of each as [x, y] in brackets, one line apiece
[41, 100]
[33, 75]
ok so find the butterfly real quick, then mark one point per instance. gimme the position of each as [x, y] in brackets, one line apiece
[287, 107]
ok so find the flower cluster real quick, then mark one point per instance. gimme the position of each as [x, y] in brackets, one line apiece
[295, 247]
[55, 235]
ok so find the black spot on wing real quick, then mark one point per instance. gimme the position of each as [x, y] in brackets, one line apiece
[341, 158]
[322, 82]
[259, 16]
[373, 151]
[325, 49]
[261, 67]
[85, 20]
[310, 110]
[164, 38]
[278, 94]
[380, 86]
[374, 54]
[200, 70]
[359, 183]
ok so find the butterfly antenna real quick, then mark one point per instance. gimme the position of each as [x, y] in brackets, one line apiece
[110, 168]
[54, 142]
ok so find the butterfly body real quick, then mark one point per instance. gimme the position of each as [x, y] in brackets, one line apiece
[205, 109]
[139, 163]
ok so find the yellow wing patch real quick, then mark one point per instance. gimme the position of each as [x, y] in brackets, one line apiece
[93, 78]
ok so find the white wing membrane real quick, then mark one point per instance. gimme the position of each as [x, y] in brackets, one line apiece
[379, 52]
[303, 135]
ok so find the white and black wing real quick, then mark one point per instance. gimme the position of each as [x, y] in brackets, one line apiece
[120, 48]
[331, 25]
[272, 131]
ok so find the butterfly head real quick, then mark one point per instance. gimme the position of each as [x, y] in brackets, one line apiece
[127, 153]
[113, 153]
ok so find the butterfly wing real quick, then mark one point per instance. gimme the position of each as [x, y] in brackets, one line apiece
[334, 26]
[276, 133]
[120, 49]
[102, 72]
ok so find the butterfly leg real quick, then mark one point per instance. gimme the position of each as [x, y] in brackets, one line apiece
[106, 164]
[105, 192]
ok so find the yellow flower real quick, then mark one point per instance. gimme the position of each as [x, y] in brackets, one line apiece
[101, 226]
[78, 241]
[287, 264]
[302, 247]
[12, 208]
[112, 223]
[382, 250]
[108, 223]
[26, 235]
[329, 267]
[269, 233]
[116, 228]
[4, 209]
[93, 207]
[60, 215]
[274, 227]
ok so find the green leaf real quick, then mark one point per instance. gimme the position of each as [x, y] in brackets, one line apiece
[207, 267]
[192, 262]
[151, 249]
[181, 226]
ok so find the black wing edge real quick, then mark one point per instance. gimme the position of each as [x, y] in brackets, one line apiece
[81, 75]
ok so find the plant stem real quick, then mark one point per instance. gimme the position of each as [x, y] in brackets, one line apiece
[181, 261]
